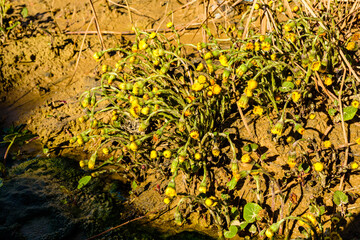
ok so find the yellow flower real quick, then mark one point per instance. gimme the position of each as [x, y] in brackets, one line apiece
[261, 38]
[248, 92]
[252, 84]
[170, 191]
[315, 66]
[249, 46]
[167, 200]
[355, 104]
[169, 24]
[152, 35]
[197, 156]
[318, 166]
[187, 113]
[134, 48]
[290, 139]
[291, 163]
[208, 56]
[202, 79]
[182, 159]
[278, 128]
[215, 151]
[143, 45]
[295, 9]
[351, 46]
[197, 87]
[211, 201]
[301, 130]
[246, 158]
[265, 46]
[256, 6]
[258, 110]
[288, 27]
[105, 151]
[200, 45]
[167, 154]
[291, 37]
[243, 101]
[216, 89]
[328, 81]
[135, 110]
[82, 163]
[210, 68]
[257, 46]
[327, 144]
[295, 96]
[98, 55]
[105, 68]
[194, 134]
[358, 141]
[153, 154]
[133, 146]
[308, 217]
[269, 233]
[202, 189]
[312, 116]
[273, 57]
[200, 67]
[354, 165]
[223, 60]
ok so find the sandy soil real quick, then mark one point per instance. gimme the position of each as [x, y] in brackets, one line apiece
[42, 77]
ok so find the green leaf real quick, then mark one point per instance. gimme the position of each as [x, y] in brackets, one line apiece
[251, 211]
[349, 113]
[231, 232]
[134, 185]
[83, 181]
[304, 167]
[332, 112]
[247, 148]
[340, 198]
[232, 184]
[253, 229]
[14, 25]
[263, 157]
[233, 209]
[243, 225]
[225, 196]
[286, 87]
[254, 147]
[24, 12]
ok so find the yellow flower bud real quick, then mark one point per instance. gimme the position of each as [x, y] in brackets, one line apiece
[318, 166]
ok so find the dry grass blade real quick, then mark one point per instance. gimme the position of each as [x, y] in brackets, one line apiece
[97, 25]
[343, 129]
[80, 51]
[247, 26]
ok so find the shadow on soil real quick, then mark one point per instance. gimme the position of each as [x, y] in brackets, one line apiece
[39, 201]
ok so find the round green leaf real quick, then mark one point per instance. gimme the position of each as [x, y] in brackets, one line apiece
[231, 232]
[349, 113]
[83, 181]
[286, 87]
[340, 198]
[251, 211]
